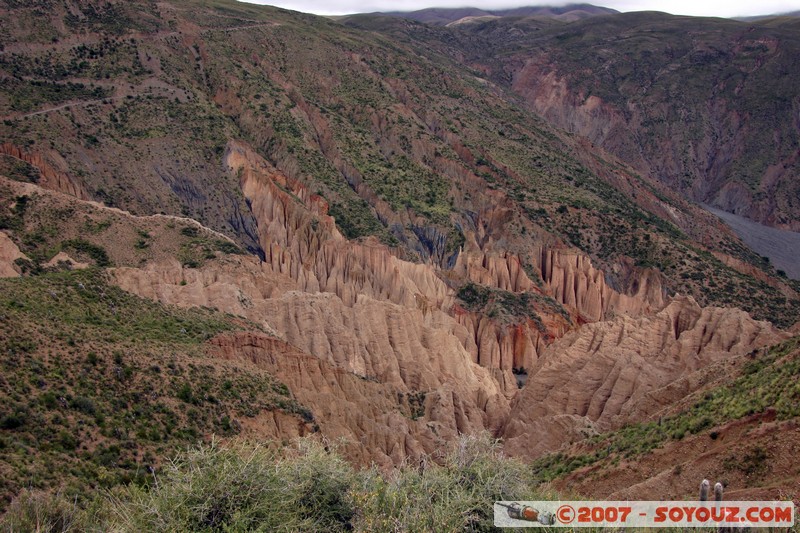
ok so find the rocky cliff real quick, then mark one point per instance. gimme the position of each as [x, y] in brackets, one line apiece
[49, 176]
[374, 422]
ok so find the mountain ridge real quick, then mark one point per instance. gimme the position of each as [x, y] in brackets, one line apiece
[445, 16]
[628, 98]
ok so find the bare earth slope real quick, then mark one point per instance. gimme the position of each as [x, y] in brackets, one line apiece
[614, 372]
[740, 428]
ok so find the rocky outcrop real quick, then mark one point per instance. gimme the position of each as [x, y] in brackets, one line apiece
[9, 253]
[381, 340]
[491, 343]
[408, 347]
[502, 270]
[565, 274]
[502, 346]
[374, 422]
[594, 378]
[301, 241]
[235, 284]
[49, 176]
[549, 93]
[574, 282]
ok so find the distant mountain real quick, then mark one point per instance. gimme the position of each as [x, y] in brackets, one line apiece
[706, 105]
[443, 16]
[775, 15]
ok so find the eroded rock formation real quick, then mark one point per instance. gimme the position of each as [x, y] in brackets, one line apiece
[595, 378]
[574, 282]
[386, 357]
[301, 241]
[50, 177]
[375, 422]
[9, 253]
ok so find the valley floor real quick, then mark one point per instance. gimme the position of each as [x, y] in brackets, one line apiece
[781, 246]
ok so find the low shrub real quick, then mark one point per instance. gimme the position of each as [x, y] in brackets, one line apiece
[307, 487]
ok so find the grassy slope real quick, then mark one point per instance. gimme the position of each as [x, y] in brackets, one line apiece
[99, 386]
[43, 224]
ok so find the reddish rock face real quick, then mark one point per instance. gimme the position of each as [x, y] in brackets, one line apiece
[49, 176]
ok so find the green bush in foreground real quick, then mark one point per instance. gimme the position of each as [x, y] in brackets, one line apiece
[42, 512]
[245, 487]
[240, 488]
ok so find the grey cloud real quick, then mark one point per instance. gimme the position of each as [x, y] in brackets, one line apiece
[729, 8]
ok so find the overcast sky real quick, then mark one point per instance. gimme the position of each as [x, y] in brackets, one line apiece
[717, 8]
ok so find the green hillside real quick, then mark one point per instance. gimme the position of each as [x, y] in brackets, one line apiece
[703, 104]
[99, 386]
[403, 142]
